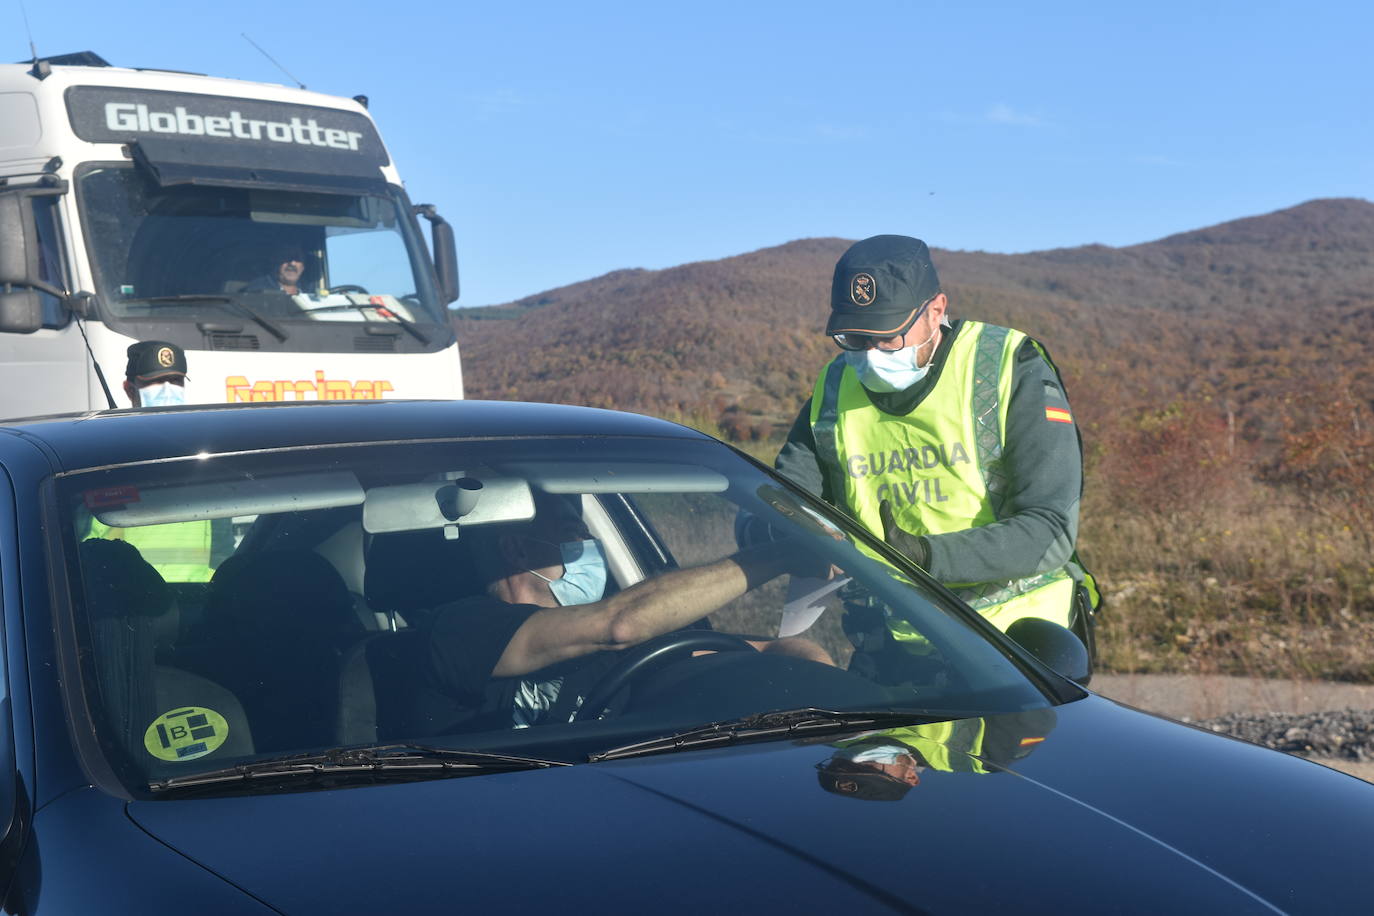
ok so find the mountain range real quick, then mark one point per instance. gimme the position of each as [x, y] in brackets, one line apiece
[1240, 320]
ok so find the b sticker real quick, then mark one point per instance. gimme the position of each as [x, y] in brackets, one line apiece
[185, 734]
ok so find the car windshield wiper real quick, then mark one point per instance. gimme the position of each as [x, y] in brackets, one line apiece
[190, 299]
[396, 318]
[404, 761]
[790, 723]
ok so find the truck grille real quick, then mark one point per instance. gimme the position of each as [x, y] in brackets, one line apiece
[377, 344]
[222, 340]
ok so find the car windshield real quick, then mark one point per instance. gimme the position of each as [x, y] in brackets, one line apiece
[191, 250]
[238, 608]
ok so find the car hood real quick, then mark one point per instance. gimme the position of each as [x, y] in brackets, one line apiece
[1087, 807]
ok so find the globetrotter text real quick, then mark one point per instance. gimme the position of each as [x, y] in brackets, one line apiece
[130, 116]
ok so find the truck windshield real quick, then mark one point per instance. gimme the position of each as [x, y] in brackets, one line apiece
[290, 255]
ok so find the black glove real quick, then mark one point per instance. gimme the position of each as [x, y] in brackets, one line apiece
[913, 546]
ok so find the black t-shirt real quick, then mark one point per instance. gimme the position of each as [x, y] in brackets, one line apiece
[465, 640]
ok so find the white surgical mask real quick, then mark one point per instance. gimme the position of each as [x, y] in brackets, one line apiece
[584, 573]
[163, 394]
[882, 371]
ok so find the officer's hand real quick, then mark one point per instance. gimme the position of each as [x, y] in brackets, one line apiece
[897, 536]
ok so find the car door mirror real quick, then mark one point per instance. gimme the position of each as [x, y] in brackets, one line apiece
[1057, 647]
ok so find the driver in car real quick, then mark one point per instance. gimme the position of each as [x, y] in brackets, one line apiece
[527, 650]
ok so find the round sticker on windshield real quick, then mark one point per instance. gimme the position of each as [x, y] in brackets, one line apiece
[185, 734]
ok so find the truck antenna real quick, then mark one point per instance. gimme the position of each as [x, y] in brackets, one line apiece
[272, 59]
[25, 13]
[100, 376]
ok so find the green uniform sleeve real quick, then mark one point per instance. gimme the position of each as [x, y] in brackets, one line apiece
[797, 460]
[1038, 519]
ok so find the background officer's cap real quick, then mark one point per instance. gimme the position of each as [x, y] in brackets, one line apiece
[150, 360]
[881, 286]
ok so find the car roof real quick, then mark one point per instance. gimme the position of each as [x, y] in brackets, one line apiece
[111, 437]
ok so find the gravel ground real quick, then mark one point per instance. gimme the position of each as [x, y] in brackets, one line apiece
[1332, 724]
[1344, 735]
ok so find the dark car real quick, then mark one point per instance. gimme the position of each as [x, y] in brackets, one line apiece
[269, 659]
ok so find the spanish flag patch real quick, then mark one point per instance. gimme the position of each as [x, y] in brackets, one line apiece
[1058, 415]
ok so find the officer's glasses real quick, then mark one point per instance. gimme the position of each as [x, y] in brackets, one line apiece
[868, 342]
[887, 343]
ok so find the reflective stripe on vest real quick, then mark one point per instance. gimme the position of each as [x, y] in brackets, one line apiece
[941, 465]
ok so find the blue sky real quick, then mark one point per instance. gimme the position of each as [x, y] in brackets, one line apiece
[567, 140]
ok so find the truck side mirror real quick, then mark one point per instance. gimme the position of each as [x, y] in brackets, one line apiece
[14, 240]
[21, 309]
[445, 252]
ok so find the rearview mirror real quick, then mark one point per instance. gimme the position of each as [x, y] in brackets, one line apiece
[439, 504]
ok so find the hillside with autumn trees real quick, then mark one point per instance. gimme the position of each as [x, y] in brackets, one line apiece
[1220, 378]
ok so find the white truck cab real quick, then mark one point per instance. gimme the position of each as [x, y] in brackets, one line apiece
[264, 229]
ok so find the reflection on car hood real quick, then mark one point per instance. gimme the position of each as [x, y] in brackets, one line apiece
[1113, 810]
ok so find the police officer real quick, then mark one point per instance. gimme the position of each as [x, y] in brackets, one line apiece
[952, 439]
[155, 375]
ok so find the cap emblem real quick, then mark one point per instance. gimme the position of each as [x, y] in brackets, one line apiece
[165, 357]
[862, 289]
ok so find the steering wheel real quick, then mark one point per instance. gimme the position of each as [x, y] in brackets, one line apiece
[648, 657]
[349, 288]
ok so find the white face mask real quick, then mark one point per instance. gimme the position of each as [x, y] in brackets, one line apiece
[882, 371]
[584, 573]
[163, 394]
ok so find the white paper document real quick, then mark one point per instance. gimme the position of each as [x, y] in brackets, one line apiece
[805, 602]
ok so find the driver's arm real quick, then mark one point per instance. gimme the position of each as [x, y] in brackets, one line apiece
[659, 605]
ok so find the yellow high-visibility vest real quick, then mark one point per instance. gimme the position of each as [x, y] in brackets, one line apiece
[939, 465]
[180, 551]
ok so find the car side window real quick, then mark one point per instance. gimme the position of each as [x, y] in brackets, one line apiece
[699, 528]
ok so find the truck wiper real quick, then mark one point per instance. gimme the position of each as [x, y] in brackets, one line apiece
[405, 323]
[171, 301]
[790, 723]
[402, 761]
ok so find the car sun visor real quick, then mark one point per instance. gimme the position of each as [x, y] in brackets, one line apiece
[619, 477]
[180, 162]
[131, 507]
[464, 502]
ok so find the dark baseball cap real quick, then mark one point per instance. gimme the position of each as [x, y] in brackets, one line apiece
[881, 286]
[150, 360]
